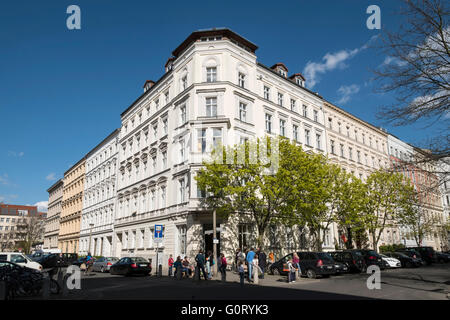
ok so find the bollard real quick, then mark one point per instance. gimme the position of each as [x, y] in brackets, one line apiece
[160, 270]
[255, 275]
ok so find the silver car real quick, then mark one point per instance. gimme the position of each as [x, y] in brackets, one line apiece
[103, 264]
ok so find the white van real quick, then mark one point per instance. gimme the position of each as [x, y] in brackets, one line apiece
[20, 259]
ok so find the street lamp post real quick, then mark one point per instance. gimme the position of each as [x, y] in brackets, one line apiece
[90, 237]
[214, 244]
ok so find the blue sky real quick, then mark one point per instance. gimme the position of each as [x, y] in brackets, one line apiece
[62, 91]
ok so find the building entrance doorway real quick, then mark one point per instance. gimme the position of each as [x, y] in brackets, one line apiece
[208, 238]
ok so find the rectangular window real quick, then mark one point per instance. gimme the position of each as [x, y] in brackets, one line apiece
[268, 123]
[241, 80]
[211, 74]
[280, 99]
[330, 123]
[184, 82]
[318, 141]
[157, 104]
[342, 150]
[316, 116]
[182, 114]
[165, 128]
[242, 112]
[211, 107]
[307, 137]
[305, 111]
[201, 193]
[283, 127]
[182, 243]
[293, 107]
[163, 197]
[166, 97]
[244, 232]
[295, 132]
[164, 159]
[358, 155]
[266, 93]
[182, 190]
[217, 137]
[332, 146]
[201, 147]
[350, 153]
[182, 153]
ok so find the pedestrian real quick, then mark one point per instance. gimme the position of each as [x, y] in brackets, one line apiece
[271, 257]
[170, 265]
[241, 272]
[186, 267]
[250, 257]
[223, 267]
[178, 265]
[200, 259]
[262, 262]
[296, 263]
[291, 271]
[208, 263]
[89, 262]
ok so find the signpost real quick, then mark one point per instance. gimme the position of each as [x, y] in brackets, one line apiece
[158, 238]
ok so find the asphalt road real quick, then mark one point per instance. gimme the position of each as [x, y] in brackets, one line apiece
[425, 283]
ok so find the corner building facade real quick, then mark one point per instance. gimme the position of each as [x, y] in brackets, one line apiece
[214, 91]
[55, 195]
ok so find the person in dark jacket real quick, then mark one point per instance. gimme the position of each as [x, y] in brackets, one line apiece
[262, 262]
[200, 259]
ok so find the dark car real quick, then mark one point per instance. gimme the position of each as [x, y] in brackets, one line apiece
[371, 257]
[340, 268]
[131, 265]
[354, 260]
[405, 260]
[428, 254]
[413, 254]
[49, 260]
[79, 261]
[68, 259]
[442, 257]
[313, 264]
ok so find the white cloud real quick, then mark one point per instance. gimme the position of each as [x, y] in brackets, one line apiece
[393, 60]
[4, 179]
[50, 177]
[8, 198]
[346, 92]
[15, 154]
[42, 206]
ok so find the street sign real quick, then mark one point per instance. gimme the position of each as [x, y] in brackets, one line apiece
[158, 236]
[215, 240]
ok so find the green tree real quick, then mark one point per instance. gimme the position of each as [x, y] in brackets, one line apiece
[385, 192]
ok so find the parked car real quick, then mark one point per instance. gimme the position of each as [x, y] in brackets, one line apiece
[340, 268]
[371, 258]
[131, 265]
[313, 264]
[49, 260]
[427, 253]
[413, 254]
[20, 259]
[79, 261]
[354, 260]
[405, 260]
[68, 259]
[391, 262]
[103, 264]
[442, 257]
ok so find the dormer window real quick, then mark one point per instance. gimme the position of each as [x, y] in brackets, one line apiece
[282, 72]
[281, 69]
[298, 79]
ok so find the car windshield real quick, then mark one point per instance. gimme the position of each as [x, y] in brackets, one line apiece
[357, 253]
[138, 259]
[401, 255]
[383, 256]
[372, 253]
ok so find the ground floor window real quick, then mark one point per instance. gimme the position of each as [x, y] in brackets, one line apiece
[182, 240]
[244, 235]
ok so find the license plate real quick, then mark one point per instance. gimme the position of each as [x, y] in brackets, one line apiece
[142, 265]
[336, 266]
[329, 267]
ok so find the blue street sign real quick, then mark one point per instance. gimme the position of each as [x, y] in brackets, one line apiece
[159, 232]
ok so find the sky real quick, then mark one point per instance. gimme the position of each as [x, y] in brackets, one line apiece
[62, 91]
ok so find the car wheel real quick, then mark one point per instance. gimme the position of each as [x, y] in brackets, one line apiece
[311, 274]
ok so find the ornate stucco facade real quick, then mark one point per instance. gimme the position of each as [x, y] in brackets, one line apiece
[72, 205]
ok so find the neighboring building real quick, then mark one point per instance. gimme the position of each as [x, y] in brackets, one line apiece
[14, 226]
[356, 146]
[97, 220]
[213, 92]
[55, 194]
[72, 205]
[444, 177]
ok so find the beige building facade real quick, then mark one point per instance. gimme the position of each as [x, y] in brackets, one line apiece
[55, 195]
[72, 205]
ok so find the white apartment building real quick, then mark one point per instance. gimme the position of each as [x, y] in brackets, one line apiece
[444, 169]
[55, 193]
[97, 219]
[214, 91]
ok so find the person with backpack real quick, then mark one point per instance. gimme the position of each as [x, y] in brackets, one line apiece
[223, 267]
[89, 263]
[200, 259]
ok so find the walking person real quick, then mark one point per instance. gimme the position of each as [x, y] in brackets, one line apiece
[291, 271]
[223, 267]
[241, 272]
[200, 259]
[296, 263]
[250, 257]
[170, 265]
[262, 262]
[208, 264]
[89, 262]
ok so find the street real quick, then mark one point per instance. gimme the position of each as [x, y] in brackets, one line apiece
[425, 283]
